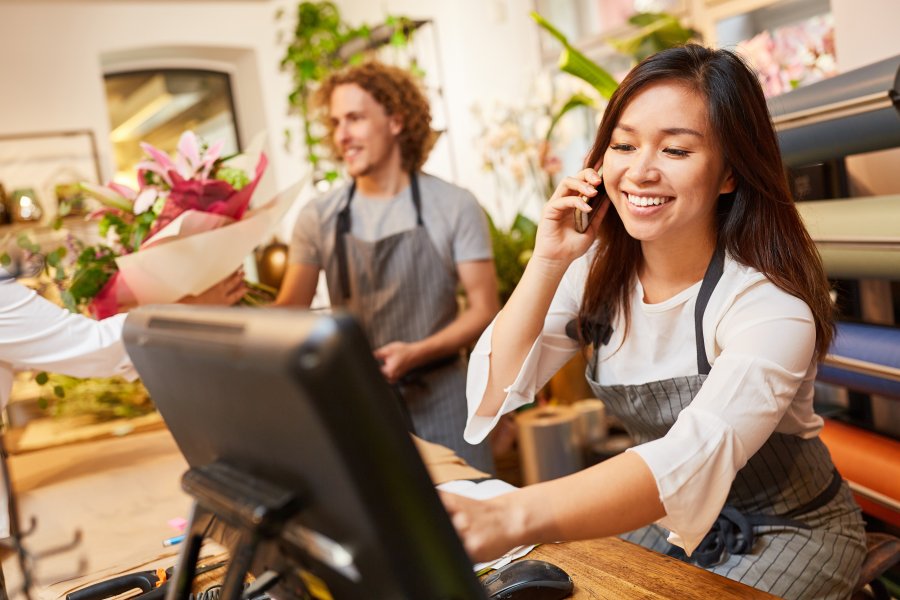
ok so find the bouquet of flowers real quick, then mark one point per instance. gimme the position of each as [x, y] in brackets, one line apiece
[184, 229]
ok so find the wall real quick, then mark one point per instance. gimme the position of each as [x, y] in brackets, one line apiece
[53, 54]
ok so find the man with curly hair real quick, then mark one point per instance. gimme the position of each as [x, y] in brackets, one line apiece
[395, 244]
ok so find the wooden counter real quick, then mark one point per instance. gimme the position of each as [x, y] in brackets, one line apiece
[121, 493]
[615, 569]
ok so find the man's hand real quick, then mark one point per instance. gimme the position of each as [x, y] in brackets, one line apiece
[225, 293]
[397, 358]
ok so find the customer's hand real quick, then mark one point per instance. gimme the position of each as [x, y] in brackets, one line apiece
[225, 293]
[557, 240]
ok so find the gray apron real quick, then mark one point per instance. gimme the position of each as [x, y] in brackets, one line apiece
[400, 289]
[789, 527]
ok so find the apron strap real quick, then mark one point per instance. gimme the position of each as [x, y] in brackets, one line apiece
[342, 227]
[733, 531]
[710, 279]
[344, 224]
[416, 198]
[599, 333]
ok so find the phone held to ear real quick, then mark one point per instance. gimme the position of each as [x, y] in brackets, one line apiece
[583, 219]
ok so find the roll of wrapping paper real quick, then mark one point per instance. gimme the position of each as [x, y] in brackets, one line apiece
[858, 237]
[591, 423]
[549, 445]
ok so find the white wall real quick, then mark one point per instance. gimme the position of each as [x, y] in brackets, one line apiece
[53, 54]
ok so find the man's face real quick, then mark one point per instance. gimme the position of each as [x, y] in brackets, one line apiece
[364, 134]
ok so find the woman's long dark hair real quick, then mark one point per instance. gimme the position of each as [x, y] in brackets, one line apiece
[758, 223]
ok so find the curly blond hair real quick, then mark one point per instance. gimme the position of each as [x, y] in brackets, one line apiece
[399, 93]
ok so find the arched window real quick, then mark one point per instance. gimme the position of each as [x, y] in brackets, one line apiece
[156, 106]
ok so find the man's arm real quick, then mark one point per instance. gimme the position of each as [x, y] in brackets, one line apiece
[299, 285]
[480, 284]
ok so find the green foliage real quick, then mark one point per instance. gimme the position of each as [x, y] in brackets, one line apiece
[512, 251]
[658, 31]
[104, 398]
[572, 61]
[93, 268]
[322, 43]
[130, 230]
[236, 178]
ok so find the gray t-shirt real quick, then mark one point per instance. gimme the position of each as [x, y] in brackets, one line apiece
[454, 220]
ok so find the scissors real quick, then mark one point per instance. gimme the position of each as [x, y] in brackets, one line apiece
[151, 583]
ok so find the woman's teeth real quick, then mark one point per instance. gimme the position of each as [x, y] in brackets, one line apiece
[646, 200]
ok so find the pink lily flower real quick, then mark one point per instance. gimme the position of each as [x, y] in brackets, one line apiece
[212, 155]
[161, 163]
[145, 200]
[107, 196]
[122, 190]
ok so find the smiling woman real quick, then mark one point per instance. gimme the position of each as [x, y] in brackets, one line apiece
[707, 307]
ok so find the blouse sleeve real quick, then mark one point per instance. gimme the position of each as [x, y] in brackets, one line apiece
[37, 334]
[551, 350]
[767, 340]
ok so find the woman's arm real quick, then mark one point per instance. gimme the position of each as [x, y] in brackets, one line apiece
[610, 498]
[521, 320]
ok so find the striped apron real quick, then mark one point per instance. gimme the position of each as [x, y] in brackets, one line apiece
[789, 527]
[400, 289]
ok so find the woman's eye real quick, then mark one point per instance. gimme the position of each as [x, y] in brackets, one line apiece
[622, 147]
[676, 152]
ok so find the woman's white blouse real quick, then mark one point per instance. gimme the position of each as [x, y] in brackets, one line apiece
[37, 334]
[760, 342]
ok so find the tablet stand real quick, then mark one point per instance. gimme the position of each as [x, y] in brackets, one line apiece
[256, 509]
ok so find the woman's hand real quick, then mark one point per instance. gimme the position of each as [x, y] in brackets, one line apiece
[557, 240]
[225, 293]
[486, 527]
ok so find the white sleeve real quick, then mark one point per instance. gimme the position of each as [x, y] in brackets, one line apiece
[768, 340]
[37, 334]
[551, 350]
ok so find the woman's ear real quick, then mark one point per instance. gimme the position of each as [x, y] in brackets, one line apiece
[728, 182]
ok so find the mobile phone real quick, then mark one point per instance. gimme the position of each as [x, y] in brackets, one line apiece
[583, 219]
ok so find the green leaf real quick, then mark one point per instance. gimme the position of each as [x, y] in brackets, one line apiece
[41, 378]
[235, 177]
[59, 392]
[69, 301]
[24, 242]
[5, 259]
[576, 100]
[56, 256]
[575, 63]
[540, 20]
[658, 31]
[398, 39]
